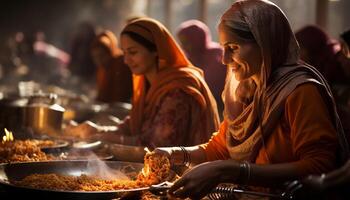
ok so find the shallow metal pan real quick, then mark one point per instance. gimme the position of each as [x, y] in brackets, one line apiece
[17, 171]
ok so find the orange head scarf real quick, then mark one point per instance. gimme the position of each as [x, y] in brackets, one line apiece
[174, 72]
[108, 40]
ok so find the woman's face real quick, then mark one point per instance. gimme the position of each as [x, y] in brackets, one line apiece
[243, 58]
[140, 60]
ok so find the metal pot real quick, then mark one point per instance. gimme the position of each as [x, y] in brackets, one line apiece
[43, 115]
[44, 119]
[38, 114]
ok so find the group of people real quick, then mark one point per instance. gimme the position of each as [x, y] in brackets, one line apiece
[280, 120]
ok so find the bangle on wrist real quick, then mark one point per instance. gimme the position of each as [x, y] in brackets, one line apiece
[186, 157]
[244, 173]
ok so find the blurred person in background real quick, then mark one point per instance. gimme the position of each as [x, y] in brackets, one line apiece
[81, 65]
[114, 78]
[33, 56]
[318, 49]
[195, 39]
[344, 55]
[172, 104]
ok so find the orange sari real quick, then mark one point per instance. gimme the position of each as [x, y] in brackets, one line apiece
[174, 72]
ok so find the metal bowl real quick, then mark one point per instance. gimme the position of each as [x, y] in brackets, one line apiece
[57, 147]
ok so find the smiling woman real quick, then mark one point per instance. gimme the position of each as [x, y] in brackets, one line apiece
[139, 54]
[172, 104]
[289, 127]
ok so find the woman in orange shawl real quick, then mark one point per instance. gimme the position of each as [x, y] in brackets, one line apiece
[290, 127]
[114, 79]
[172, 104]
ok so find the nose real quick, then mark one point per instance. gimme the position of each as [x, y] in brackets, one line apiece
[226, 57]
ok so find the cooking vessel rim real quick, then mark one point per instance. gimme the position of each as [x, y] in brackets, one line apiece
[7, 182]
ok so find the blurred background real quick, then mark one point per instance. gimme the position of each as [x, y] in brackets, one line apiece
[62, 24]
[58, 19]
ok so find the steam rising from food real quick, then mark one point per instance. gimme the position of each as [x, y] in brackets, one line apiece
[156, 169]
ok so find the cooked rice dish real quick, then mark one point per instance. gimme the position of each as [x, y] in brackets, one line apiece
[42, 143]
[24, 151]
[156, 169]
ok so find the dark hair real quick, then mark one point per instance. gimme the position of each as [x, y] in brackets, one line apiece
[245, 35]
[346, 37]
[141, 40]
[242, 34]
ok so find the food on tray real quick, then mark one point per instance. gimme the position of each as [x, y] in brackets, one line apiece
[156, 169]
[75, 183]
[13, 150]
[24, 151]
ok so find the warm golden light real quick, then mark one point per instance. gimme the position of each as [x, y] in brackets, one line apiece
[7, 137]
[234, 85]
[145, 170]
[147, 150]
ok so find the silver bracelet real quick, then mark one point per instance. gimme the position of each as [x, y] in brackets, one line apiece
[244, 173]
[186, 157]
[248, 172]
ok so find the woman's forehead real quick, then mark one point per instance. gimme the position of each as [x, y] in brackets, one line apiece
[226, 36]
[126, 41]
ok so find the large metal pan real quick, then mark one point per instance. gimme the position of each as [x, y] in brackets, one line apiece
[17, 171]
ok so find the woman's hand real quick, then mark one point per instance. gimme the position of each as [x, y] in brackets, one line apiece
[167, 152]
[198, 181]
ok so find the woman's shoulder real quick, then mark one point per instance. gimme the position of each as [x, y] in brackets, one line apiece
[308, 94]
[177, 94]
[307, 87]
[307, 91]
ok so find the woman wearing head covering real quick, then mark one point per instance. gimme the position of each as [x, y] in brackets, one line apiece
[195, 39]
[172, 104]
[320, 50]
[288, 130]
[81, 64]
[114, 78]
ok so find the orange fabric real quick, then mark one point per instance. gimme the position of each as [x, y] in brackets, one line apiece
[216, 148]
[279, 75]
[169, 52]
[108, 40]
[174, 72]
[114, 81]
[301, 135]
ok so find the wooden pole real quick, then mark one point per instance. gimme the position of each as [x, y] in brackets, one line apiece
[168, 16]
[322, 13]
[203, 10]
